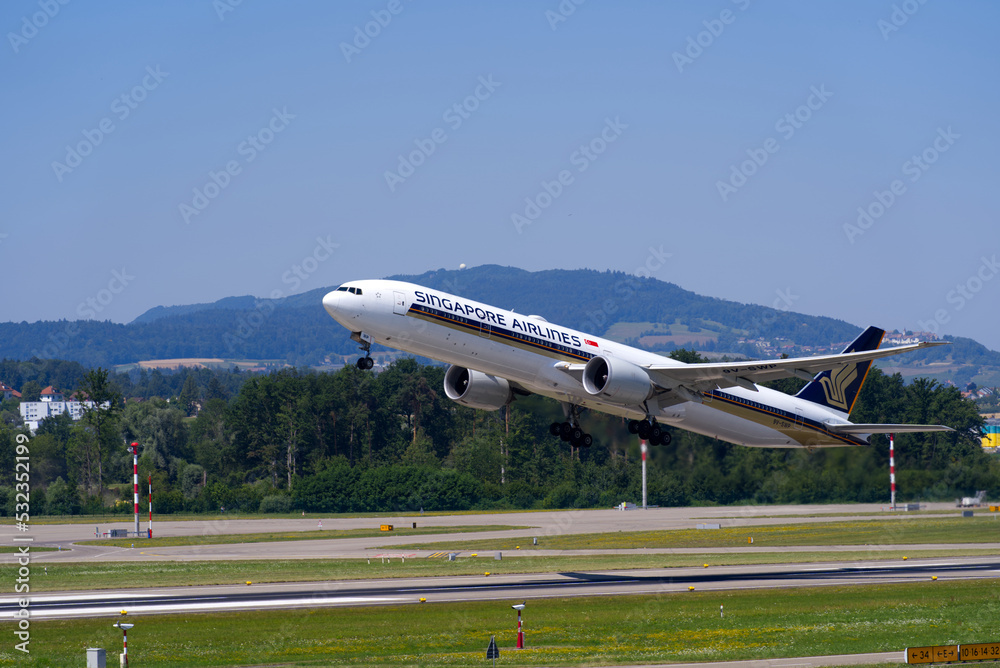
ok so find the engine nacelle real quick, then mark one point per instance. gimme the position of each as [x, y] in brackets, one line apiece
[476, 389]
[616, 380]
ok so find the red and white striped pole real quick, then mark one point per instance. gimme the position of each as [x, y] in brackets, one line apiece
[892, 472]
[124, 627]
[150, 505]
[520, 632]
[644, 448]
[135, 484]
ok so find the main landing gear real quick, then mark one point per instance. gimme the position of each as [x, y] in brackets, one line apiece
[570, 431]
[649, 430]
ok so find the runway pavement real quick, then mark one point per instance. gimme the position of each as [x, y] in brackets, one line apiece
[495, 587]
[542, 525]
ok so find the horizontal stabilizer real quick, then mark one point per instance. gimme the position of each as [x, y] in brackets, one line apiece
[885, 428]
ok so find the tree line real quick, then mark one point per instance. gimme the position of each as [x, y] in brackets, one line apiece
[354, 441]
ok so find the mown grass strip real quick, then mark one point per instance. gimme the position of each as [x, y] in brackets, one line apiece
[68, 576]
[901, 531]
[757, 624]
[275, 537]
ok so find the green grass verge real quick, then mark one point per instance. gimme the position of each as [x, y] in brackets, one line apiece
[6, 549]
[274, 537]
[902, 531]
[66, 576]
[758, 624]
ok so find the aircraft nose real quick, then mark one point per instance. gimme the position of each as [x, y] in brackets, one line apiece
[331, 302]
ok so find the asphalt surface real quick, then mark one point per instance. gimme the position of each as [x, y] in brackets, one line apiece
[493, 588]
[542, 525]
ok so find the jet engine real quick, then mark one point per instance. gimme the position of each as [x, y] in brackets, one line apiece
[616, 380]
[476, 389]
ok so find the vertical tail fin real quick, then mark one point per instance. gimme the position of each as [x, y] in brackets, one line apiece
[838, 388]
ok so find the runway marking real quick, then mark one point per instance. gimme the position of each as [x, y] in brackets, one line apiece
[207, 606]
[436, 555]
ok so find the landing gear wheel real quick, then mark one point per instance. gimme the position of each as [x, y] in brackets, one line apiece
[565, 431]
[587, 440]
[633, 426]
[554, 428]
[365, 362]
[576, 435]
[654, 434]
[665, 438]
[644, 429]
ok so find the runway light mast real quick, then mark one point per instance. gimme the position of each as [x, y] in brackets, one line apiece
[892, 472]
[644, 448]
[134, 449]
[124, 626]
[520, 630]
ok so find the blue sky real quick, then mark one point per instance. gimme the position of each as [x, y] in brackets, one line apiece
[174, 153]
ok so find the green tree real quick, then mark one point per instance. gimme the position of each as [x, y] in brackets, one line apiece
[102, 417]
[31, 391]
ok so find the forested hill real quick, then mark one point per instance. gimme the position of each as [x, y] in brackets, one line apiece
[296, 330]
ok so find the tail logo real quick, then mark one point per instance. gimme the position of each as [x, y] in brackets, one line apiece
[835, 385]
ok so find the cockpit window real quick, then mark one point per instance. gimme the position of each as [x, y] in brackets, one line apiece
[353, 291]
[342, 288]
[358, 291]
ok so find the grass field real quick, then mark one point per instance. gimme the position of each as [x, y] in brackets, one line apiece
[67, 576]
[896, 531]
[320, 534]
[758, 624]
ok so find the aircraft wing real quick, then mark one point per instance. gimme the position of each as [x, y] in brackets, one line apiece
[745, 374]
[885, 428]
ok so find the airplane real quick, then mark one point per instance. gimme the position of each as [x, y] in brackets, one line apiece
[495, 355]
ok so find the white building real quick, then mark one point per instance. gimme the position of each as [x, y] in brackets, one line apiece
[51, 405]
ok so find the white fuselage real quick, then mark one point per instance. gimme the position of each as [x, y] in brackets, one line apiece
[529, 351]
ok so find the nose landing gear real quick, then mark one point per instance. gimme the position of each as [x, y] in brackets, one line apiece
[365, 340]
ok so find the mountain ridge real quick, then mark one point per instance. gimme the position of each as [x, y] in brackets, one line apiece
[295, 329]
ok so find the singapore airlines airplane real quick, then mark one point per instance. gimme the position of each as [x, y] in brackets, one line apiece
[495, 355]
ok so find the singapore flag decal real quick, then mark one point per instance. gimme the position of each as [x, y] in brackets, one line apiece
[590, 343]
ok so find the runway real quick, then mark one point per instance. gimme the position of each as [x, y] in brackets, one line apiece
[501, 587]
[542, 524]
